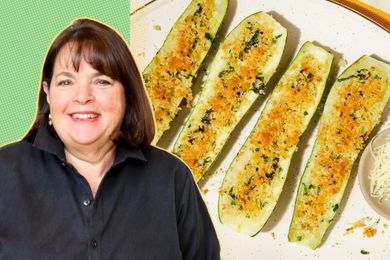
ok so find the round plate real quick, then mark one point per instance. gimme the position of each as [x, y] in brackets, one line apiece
[348, 36]
[365, 167]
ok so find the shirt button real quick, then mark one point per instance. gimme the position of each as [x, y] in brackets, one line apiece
[87, 202]
[63, 164]
[94, 243]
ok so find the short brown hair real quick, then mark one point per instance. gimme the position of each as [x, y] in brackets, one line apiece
[106, 51]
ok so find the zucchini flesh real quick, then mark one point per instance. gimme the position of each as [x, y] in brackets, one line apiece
[256, 177]
[352, 109]
[244, 63]
[168, 77]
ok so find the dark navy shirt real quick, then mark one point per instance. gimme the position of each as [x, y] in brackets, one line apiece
[146, 207]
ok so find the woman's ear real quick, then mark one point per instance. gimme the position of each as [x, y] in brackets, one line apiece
[46, 89]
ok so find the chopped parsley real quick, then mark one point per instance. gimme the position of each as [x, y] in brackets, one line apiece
[305, 190]
[258, 85]
[276, 38]
[206, 118]
[253, 41]
[361, 75]
[209, 37]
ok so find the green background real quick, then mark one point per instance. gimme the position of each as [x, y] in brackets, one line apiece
[27, 29]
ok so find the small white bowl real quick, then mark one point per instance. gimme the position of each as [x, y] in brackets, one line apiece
[366, 165]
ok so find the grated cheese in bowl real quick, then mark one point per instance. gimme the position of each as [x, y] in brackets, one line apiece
[380, 174]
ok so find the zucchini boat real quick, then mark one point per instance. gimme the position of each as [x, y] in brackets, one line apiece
[352, 109]
[168, 77]
[244, 63]
[255, 178]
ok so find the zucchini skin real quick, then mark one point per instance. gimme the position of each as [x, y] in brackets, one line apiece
[255, 178]
[352, 109]
[168, 77]
[244, 63]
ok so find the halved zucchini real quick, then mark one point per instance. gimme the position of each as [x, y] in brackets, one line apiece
[353, 107]
[168, 77]
[244, 63]
[256, 177]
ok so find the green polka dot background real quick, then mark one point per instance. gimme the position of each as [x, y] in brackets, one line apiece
[27, 29]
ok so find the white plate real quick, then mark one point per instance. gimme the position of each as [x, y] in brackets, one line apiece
[366, 165]
[339, 30]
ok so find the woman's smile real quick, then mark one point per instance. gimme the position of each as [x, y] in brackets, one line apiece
[84, 116]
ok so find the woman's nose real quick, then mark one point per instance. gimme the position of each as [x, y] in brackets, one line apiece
[84, 94]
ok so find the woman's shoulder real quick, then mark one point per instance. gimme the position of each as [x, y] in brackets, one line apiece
[14, 151]
[169, 167]
[159, 155]
[14, 157]
[165, 161]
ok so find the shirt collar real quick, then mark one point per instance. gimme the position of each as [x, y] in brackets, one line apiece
[47, 140]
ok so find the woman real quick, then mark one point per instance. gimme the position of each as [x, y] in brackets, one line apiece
[85, 183]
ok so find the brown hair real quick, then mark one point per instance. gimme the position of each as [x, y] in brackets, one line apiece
[107, 52]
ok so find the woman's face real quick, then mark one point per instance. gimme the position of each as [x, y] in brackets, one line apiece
[86, 107]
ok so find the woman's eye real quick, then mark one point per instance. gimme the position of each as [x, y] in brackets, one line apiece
[103, 82]
[64, 83]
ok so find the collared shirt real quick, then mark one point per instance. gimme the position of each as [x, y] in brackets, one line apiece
[146, 207]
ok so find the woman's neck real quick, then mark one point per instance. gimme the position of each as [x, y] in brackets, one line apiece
[92, 164]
